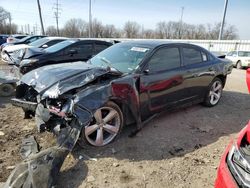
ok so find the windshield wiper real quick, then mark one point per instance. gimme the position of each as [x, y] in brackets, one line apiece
[107, 62]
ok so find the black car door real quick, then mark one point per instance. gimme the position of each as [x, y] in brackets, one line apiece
[199, 71]
[161, 84]
[80, 51]
[84, 51]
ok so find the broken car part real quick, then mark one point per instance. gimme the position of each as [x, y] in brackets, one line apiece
[41, 169]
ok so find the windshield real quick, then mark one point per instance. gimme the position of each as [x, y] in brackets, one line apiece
[123, 57]
[59, 46]
[39, 42]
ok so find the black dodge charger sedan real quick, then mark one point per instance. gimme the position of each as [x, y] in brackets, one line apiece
[63, 52]
[127, 83]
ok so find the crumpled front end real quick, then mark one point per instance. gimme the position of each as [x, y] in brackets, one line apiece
[51, 82]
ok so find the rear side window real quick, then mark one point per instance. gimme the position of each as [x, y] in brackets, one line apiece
[165, 59]
[100, 47]
[192, 56]
[204, 56]
[82, 49]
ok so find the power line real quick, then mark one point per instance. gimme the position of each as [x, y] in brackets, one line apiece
[57, 13]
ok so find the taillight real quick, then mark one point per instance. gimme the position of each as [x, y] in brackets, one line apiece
[248, 79]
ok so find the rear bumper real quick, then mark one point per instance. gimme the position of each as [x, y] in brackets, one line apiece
[224, 177]
[26, 105]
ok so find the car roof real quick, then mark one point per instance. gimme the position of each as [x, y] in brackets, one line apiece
[53, 38]
[87, 40]
[156, 43]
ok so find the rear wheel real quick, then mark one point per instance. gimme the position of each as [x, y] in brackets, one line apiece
[6, 90]
[214, 93]
[239, 65]
[106, 125]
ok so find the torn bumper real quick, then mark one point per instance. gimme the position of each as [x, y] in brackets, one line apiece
[26, 105]
[51, 117]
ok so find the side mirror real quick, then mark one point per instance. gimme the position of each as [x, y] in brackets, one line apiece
[45, 46]
[72, 52]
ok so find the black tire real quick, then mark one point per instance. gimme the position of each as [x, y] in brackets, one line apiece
[84, 141]
[208, 101]
[6, 90]
[239, 65]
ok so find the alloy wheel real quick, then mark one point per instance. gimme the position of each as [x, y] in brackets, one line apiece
[215, 92]
[104, 128]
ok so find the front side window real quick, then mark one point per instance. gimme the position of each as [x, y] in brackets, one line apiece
[192, 56]
[165, 59]
[230, 53]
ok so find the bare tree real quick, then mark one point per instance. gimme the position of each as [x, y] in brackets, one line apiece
[5, 22]
[148, 34]
[51, 31]
[131, 29]
[109, 31]
[74, 28]
[97, 28]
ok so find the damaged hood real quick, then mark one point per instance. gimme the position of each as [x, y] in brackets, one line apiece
[13, 48]
[60, 78]
[32, 52]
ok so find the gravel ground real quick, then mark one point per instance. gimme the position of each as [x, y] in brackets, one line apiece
[178, 149]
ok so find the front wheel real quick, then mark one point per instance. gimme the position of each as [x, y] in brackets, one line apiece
[107, 123]
[239, 65]
[214, 93]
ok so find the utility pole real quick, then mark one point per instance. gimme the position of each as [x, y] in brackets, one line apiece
[10, 24]
[180, 29]
[40, 15]
[223, 20]
[57, 13]
[90, 20]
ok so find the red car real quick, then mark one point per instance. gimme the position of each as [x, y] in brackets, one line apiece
[234, 169]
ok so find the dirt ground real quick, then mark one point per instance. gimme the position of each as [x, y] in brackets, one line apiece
[178, 149]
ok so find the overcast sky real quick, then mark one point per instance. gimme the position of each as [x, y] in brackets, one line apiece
[145, 12]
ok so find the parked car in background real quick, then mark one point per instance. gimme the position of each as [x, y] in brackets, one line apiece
[240, 59]
[15, 38]
[127, 83]
[67, 51]
[3, 39]
[16, 52]
[25, 40]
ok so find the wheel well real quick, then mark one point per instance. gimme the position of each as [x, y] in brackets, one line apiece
[222, 78]
[128, 117]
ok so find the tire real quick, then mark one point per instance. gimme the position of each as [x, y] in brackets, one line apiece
[214, 93]
[6, 90]
[239, 65]
[101, 132]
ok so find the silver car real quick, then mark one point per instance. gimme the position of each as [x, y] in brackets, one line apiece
[240, 59]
